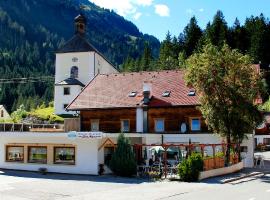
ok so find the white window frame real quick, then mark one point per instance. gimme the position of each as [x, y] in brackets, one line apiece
[122, 125]
[191, 127]
[94, 121]
[156, 123]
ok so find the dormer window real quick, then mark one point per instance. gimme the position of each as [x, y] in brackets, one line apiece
[166, 93]
[191, 92]
[132, 94]
[74, 72]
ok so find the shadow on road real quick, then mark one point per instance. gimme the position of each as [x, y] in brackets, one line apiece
[73, 177]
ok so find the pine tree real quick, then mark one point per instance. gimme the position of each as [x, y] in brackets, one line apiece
[192, 35]
[123, 159]
[218, 30]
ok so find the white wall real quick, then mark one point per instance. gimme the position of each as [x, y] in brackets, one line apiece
[89, 65]
[6, 114]
[86, 152]
[60, 99]
[102, 66]
[64, 63]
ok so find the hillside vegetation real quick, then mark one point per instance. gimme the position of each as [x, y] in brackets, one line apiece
[31, 31]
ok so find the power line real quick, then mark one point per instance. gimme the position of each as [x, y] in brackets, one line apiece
[27, 80]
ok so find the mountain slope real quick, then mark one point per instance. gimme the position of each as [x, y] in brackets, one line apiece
[32, 30]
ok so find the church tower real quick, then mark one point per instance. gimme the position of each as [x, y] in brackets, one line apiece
[77, 63]
[80, 24]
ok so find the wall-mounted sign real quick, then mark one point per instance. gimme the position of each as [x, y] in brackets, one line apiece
[74, 134]
[74, 59]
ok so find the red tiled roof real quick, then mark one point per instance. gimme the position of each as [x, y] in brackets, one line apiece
[111, 91]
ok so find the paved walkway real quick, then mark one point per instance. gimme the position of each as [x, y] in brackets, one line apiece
[19, 185]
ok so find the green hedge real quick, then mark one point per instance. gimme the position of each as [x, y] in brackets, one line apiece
[189, 170]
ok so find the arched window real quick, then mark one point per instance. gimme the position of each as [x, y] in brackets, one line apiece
[74, 72]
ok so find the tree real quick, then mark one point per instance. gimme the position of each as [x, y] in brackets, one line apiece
[146, 58]
[123, 159]
[227, 85]
[218, 30]
[192, 35]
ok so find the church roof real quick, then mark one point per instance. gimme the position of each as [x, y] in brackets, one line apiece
[70, 81]
[77, 44]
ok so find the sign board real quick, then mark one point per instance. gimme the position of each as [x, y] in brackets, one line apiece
[74, 134]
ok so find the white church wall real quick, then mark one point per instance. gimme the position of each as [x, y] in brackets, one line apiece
[83, 60]
[60, 99]
[102, 66]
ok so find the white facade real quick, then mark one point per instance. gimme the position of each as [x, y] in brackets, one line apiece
[4, 115]
[89, 152]
[89, 64]
[86, 152]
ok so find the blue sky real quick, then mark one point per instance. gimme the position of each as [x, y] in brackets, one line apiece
[156, 17]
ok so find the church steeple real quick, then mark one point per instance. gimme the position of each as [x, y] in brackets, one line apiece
[80, 24]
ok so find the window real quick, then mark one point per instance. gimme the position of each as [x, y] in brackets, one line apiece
[37, 155]
[191, 92]
[166, 93]
[2, 113]
[125, 125]
[108, 151]
[266, 141]
[94, 125]
[159, 125]
[132, 94]
[195, 124]
[65, 106]
[14, 153]
[64, 155]
[74, 72]
[66, 91]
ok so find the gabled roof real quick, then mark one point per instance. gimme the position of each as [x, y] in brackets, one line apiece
[77, 44]
[70, 81]
[112, 91]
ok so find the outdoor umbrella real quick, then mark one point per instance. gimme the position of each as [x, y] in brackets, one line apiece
[157, 149]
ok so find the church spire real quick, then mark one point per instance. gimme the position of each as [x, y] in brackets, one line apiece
[80, 24]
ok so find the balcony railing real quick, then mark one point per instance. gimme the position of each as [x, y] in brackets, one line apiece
[21, 127]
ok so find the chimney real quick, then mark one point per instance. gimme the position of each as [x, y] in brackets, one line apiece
[146, 93]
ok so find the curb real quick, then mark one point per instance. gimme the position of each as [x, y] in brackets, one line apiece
[244, 176]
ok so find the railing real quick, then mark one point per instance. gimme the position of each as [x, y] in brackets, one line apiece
[21, 127]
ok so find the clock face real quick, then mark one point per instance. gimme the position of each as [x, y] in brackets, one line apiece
[74, 59]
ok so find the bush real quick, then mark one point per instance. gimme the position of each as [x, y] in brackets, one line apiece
[123, 159]
[189, 170]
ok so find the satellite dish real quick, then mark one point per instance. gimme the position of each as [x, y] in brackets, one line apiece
[183, 128]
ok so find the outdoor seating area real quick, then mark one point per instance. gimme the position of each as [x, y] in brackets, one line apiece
[162, 161]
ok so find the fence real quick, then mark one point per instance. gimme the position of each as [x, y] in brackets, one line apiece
[21, 127]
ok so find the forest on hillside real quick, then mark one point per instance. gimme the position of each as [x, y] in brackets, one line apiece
[252, 38]
[31, 31]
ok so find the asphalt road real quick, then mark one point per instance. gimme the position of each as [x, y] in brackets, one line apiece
[16, 185]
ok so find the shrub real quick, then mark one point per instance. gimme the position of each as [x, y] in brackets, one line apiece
[123, 159]
[189, 170]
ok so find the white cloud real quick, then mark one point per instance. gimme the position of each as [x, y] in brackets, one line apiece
[201, 9]
[123, 7]
[162, 10]
[137, 15]
[189, 11]
[144, 2]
